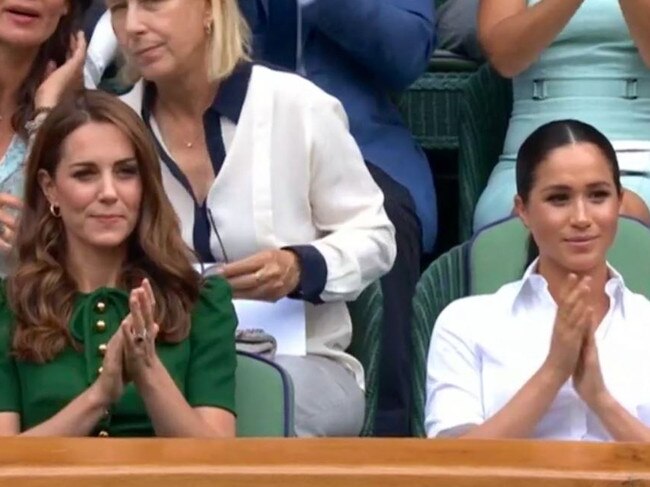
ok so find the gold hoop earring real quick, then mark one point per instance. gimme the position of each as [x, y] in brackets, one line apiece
[55, 210]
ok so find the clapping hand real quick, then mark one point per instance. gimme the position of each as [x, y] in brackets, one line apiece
[572, 321]
[112, 377]
[139, 331]
[587, 377]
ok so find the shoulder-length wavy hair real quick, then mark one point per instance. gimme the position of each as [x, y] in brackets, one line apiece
[40, 289]
[55, 49]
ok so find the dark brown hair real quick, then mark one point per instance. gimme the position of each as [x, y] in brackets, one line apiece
[41, 291]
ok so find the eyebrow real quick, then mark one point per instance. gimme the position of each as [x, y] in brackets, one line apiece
[564, 187]
[91, 163]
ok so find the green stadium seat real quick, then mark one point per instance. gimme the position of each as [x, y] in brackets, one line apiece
[367, 322]
[430, 107]
[263, 398]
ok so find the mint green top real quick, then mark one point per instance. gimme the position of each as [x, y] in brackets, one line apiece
[202, 365]
[596, 51]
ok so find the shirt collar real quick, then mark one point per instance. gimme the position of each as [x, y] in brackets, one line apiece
[533, 285]
[230, 97]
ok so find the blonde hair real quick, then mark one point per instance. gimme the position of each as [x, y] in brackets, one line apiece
[229, 43]
[230, 39]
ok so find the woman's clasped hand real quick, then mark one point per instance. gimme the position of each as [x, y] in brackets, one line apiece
[573, 352]
[131, 352]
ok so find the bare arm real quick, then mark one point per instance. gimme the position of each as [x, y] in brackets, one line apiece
[637, 16]
[590, 386]
[78, 418]
[81, 415]
[170, 413]
[513, 35]
[518, 418]
[520, 415]
[618, 421]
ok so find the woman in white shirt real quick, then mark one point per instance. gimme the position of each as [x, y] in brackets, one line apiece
[562, 353]
[265, 178]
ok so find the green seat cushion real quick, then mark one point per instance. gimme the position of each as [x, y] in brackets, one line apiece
[263, 398]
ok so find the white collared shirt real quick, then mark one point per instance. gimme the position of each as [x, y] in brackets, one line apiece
[485, 348]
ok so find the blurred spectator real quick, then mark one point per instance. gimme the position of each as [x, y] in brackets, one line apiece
[457, 29]
[40, 63]
[586, 60]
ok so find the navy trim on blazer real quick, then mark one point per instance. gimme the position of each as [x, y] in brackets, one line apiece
[313, 275]
[229, 103]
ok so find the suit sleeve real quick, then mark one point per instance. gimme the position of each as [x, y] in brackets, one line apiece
[392, 39]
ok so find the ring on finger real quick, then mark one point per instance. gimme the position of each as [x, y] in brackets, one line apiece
[142, 336]
[258, 276]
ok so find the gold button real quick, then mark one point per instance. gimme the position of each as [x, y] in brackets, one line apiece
[103, 434]
[102, 349]
[100, 306]
[100, 325]
[100, 370]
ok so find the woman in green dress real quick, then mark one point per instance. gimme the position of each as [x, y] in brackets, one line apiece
[105, 327]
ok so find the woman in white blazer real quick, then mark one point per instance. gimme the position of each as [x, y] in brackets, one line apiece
[265, 177]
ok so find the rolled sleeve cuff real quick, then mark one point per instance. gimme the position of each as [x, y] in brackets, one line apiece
[313, 273]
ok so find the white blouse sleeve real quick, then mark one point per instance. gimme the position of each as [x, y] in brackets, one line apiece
[453, 372]
[358, 239]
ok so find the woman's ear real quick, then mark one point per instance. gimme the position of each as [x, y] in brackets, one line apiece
[521, 211]
[46, 183]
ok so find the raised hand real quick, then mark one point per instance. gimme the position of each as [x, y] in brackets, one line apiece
[112, 378]
[139, 330]
[587, 376]
[60, 79]
[572, 323]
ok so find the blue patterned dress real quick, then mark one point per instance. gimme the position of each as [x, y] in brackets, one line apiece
[12, 178]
